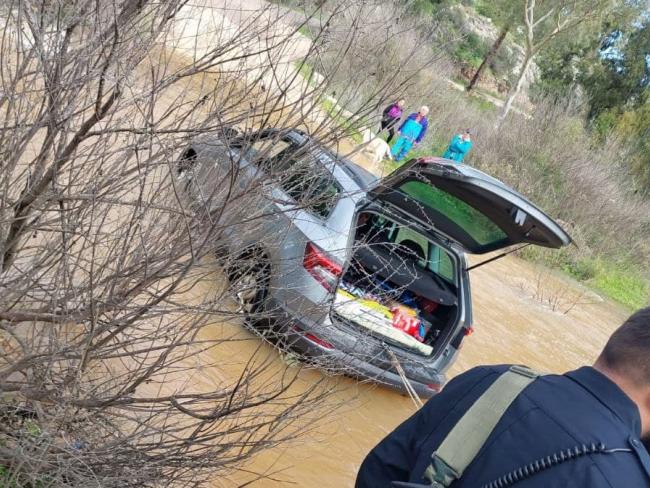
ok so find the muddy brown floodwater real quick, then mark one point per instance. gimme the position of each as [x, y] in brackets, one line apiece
[523, 314]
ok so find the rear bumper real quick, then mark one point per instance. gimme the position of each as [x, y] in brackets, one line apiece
[318, 350]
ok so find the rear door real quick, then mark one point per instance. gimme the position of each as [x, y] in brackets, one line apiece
[478, 212]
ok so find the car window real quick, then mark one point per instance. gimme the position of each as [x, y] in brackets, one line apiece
[266, 149]
[438, 260]
[404, 234]
[381, 230]
[477, 225]
[305, 176]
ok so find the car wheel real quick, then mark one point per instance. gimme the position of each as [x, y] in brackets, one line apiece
[249, 278]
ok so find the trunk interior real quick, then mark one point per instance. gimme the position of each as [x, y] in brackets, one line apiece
[400, 286]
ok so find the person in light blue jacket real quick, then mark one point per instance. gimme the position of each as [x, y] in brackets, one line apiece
[459, 147]
[411, 133]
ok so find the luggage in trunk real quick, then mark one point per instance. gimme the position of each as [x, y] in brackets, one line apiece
[389, 290]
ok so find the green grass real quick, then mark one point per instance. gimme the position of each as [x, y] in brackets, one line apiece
[619, 281]
[390, 165]
[306, 71]
[481, 103]
[623, 285]
[306, 31]
[457, 78]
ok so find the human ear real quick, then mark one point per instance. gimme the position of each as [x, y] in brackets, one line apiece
[644, 411]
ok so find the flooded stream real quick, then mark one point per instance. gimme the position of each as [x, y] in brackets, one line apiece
[519, 312]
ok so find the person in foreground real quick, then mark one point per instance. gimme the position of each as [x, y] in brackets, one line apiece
[583, 429]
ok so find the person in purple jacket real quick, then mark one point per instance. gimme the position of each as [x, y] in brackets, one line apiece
[390, 117]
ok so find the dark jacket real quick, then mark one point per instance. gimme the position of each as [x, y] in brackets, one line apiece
[553, 413]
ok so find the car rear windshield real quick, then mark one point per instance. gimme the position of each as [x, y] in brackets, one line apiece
[306, 177]
[381, 230]
[483, 230]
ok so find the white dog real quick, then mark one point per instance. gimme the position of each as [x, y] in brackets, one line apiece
[377, 149]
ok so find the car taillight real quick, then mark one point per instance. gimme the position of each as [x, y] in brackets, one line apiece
[317, 340]
[457, 342]
[312, 337]
[467, 331]
[321, 267]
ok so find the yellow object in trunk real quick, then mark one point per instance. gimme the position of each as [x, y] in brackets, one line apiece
[377, 318]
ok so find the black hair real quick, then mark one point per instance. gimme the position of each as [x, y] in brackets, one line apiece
[628, 349]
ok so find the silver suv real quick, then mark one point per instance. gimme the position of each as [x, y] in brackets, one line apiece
[363, 276]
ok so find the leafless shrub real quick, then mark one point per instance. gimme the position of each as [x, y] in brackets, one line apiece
[111, 292]
[557, 295]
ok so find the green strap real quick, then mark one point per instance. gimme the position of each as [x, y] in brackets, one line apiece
[465, 440]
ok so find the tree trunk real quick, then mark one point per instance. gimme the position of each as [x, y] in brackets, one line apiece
[516, 89]
[488, 57]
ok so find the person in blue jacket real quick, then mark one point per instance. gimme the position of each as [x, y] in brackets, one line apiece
[601, 412]
[459, 146]
[411, 133]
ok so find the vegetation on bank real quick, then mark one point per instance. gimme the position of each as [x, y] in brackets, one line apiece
[620, 281]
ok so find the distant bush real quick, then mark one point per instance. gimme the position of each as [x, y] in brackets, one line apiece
[422, 7]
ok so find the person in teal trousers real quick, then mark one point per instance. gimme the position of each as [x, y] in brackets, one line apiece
[459, 147]
[411, 132]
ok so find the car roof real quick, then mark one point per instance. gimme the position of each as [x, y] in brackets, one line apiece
[352, 176]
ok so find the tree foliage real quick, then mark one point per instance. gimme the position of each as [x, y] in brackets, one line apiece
[621, 78]
[606, 65]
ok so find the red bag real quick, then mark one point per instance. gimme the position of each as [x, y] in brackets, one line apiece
[405, 319]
